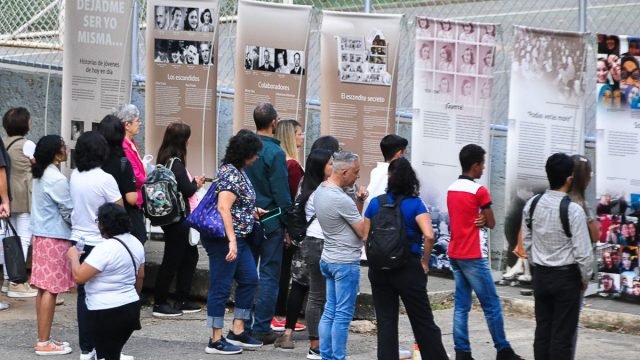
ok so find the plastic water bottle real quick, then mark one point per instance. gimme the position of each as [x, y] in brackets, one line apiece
[80, 244]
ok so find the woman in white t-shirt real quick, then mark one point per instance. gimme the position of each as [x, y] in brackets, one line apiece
[112, 275]
[90, 188]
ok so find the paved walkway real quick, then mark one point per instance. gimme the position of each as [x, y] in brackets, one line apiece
[184, 338]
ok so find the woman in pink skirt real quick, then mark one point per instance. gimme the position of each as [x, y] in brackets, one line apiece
[51, 227]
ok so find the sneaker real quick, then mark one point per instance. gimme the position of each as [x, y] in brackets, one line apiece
[51, 348]
[300, 327]
[222, 347]
[461, 355]
[60, 343]
[278, 325]
[165, 310]
[314, 354]
[59, 301]
[88, 355]
[21, 291]
[3, 306]
[243, 340]
[284, 342]
[5, 286]
[266, 338]
[508, 354]
[126, 357]
[187, 307]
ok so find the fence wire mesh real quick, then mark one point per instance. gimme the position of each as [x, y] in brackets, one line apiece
[31, 34]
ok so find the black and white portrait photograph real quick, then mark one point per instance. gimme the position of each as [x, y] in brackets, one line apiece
[424, 54]
[205, 50]
[467, 32]
[466, 58]
[297, 67]
[207, 21]
[252, 57]
[161, 51]
[465, 90]
[424, 28]
[77, 128]
[267, 56]
[445, 30]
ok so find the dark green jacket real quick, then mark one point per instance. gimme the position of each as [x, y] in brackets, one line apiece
[269, 177]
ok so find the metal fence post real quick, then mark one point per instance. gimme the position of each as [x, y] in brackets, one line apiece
[134, 42]
[582, 15]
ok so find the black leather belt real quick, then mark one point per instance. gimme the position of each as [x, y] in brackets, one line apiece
[563, 267]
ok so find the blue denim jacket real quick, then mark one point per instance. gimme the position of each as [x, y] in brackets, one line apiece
[51, 205]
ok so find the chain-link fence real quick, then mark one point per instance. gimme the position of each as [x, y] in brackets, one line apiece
[31, 34]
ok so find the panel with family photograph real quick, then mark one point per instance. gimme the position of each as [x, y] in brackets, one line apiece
[424, 54]
[467, 32]
[466, 55]
[424, 27]
[618, 71]
[184, 19]
[363, 60]
[184, 52]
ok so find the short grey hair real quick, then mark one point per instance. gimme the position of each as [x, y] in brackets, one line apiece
[127, 112]
[344, 160]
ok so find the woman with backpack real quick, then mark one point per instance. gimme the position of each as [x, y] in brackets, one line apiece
[120, 168]
[408, 280]
[180, 257]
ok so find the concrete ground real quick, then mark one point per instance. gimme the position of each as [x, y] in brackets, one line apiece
[185, 338]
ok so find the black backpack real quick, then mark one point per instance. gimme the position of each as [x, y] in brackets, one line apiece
[387, 244]
[564, 213]
[295, 220]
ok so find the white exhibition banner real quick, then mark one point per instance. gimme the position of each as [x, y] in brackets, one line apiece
[452, 92]
[546, 106]
[96, 76]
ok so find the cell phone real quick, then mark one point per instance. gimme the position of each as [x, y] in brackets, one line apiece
[270, 214]
[208, 179]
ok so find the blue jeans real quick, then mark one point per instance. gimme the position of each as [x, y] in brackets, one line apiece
[221, 275]
[475, 275]
[343, 281]
[268, 254]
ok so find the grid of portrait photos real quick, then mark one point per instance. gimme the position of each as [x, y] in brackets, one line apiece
[364, 60]
[618, 72]
[283, 61]
[617, 251]
[455, 61]
[557, 60]
[183, 52]
[185, 19]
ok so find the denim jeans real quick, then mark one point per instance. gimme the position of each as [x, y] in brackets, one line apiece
[343, 281]
[474, 274]
[311, 250]
[221, 275]
[268, 254]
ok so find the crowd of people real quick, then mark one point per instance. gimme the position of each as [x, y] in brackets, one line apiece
[89, 232]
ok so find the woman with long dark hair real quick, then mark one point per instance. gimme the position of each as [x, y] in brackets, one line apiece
[230, 257]
[180, 258]
[319, 166]
[408, 282]
[51, 226]
[117, 164]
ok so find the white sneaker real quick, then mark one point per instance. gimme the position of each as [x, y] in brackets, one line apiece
[126, 357]
[21, 291]
[89, 356]
[3, 306]
[5, 286]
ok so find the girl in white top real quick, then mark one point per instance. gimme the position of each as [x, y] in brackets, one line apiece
[468, 33]
[468, 65]
[444, 90]
[90, 187]
[446, 30]
[112, 275]
[489, 36]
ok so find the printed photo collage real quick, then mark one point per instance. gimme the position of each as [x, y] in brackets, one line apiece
[364, 60]
[618, 72]
[181, 22]
[455, 61]
[283, 61]
[618, 268]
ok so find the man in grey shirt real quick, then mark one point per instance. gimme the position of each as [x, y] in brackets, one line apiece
[343, 229]
[562, 263]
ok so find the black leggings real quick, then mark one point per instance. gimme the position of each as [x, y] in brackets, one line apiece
[179, 259]
[294, 304]
[111, 328]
